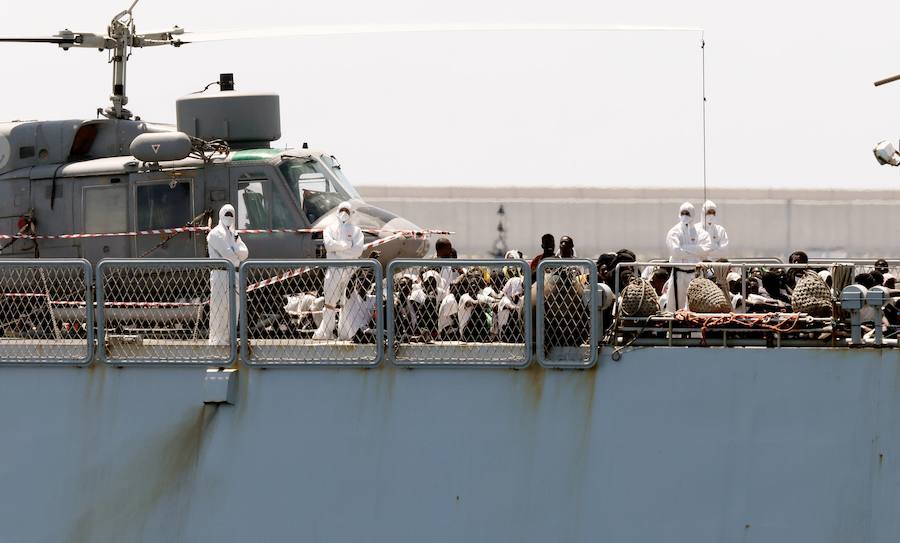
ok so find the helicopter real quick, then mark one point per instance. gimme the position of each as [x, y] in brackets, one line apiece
[118, 186]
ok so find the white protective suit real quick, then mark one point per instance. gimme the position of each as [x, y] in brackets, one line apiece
[420, 296]
[342, 241]
[512, 302]
[687, 243]
[223, 242]
[718, 237]
[355, 315]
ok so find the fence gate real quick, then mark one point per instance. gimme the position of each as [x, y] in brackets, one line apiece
[46, 312]
[312, 313]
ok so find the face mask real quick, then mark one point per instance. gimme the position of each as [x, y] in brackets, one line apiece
[228, 221]
[343, 216]
[710, 220]
[685, 220]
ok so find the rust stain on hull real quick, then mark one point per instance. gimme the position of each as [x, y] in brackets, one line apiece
[535, 375]
[119, 509]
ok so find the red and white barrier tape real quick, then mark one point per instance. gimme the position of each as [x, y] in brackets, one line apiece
[277, 279]
[300, 271]
[110, 235]
[77, 303]
[264, 283]
[190, 229]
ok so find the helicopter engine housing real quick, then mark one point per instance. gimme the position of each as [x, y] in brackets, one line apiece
[244, 120]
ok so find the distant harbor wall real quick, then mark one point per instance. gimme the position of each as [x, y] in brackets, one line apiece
[760, 222]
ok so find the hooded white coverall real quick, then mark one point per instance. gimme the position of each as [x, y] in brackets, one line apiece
[718, 237]
[687, 243]
[223, 242]
[342, 241]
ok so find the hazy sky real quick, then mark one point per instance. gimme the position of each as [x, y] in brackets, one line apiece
[791, 101]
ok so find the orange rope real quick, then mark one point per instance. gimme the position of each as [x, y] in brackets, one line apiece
[775, 322]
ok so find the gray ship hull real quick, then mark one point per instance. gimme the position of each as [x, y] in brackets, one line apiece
[668, 444]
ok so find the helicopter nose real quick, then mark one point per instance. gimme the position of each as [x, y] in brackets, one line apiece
[409, 247]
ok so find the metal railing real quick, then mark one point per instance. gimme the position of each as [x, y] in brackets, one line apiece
[770, 322]
[768, 260]
[480, 313]
[459, 313]
[860, 265]
[155, 311]
[46, 312]
[312, 312]
[567, 317]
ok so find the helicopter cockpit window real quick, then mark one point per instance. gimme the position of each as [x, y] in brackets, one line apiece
[163, 205]
[251, 209]
[312, 186]
[105, 209]
[335, 167]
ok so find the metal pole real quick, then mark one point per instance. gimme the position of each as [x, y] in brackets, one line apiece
[703, 105]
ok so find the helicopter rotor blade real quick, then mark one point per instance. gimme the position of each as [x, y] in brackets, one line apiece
[347, 30]
[52, 39]
[67, 39]
[887, 80]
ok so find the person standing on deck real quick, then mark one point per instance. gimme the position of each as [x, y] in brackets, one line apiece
[342, 241]
[718, 237]
[223, 241]
[687, 243]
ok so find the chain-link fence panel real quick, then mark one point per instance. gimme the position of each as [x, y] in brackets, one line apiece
[46, 312]
[567, 300]
[459, 313]
[312, 313]
[153, 311]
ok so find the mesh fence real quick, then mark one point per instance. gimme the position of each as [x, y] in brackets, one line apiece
[567, 313]
[46, 314]
[460, 312]
[167, 311]
[317, 312]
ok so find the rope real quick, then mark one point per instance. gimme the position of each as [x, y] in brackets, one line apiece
[783, 322]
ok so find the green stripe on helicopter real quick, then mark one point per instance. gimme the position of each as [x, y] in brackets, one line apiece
[256, 154]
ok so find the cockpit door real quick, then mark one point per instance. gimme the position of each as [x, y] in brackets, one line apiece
[158, 202]
[103, 209]
[262, 205]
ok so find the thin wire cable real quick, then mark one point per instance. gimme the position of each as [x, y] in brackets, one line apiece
[703, 104]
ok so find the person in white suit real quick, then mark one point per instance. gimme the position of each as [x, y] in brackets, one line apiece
[223, 241]
[687, 243]
[343, 241]
[718, 237]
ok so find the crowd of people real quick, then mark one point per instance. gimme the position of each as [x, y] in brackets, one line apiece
[448, 301]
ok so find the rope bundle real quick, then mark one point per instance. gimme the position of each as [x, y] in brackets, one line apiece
[639, 299]
[704, 296]
[811, 295]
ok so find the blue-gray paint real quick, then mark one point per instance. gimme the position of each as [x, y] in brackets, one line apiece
[670, 444]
